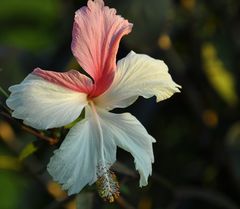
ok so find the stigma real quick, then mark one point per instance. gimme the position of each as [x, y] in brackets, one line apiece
[107, 184]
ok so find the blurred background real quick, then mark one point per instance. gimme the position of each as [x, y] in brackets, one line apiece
[197, 154]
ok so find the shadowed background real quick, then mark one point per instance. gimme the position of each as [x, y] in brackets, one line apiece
[197, 154]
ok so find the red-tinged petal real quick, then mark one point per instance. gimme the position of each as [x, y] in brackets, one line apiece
[72, 79]
[97, 31]
[138, 75]
[43, 105]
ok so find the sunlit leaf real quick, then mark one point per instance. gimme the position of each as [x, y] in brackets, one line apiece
[221, 78]
[28, 150]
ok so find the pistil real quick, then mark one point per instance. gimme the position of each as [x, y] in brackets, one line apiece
[107, 184]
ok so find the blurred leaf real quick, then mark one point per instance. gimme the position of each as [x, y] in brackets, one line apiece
[145, 203]
[9, 163]
[38, 9]
[164, 42]
[6, 132]
[28, 24]
[73, 64]
[12, 190]
[10, 63]
[124, 189]
[210, 118]
[3, 92]
[148, 21]
[220, 78]
[85, 200]
[217, 199]
[28, 150]
[71, 205]
[188, 4]
[26, 37]
[233, 142]
[233, 135]
[55, 190]
[210, 174]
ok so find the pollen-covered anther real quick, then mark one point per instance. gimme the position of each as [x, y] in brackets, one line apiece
[107, 184]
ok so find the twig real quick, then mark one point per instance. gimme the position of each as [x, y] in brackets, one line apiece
[40, 135]
[32, 131]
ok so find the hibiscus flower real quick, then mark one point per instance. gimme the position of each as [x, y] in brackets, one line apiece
[47, 99]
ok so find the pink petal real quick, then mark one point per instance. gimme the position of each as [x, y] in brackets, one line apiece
[43, 105]
[97, 31]
[72, 79]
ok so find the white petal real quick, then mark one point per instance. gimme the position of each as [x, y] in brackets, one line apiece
[138, 75]
[44, 105]
[129, 134]
[75, 163]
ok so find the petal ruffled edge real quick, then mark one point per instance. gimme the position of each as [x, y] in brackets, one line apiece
[138, 75]
[84, 155]
[129, 134]
[42, 104]
[97, 31]
[76, 163]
